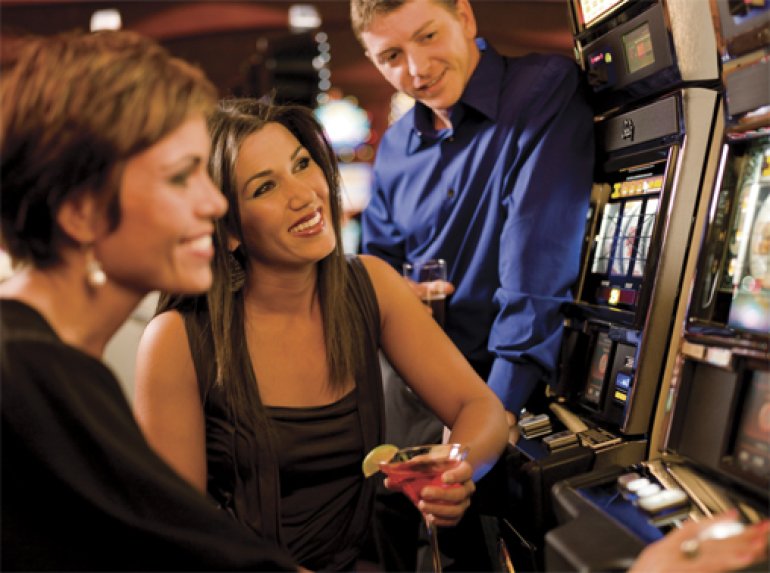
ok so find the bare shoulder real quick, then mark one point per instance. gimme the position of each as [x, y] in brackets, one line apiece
[164, 362]
[165, 333]
[388, 285]
[379, 271]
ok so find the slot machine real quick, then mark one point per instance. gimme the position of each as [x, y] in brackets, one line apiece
[711, 436]
[653, 69]
[653, 73]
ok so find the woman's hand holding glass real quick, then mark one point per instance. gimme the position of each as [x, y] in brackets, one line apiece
[446, 505]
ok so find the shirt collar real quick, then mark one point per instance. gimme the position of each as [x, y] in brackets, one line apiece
[481, 94]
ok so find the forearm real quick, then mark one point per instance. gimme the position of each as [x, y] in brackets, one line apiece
[481, 425]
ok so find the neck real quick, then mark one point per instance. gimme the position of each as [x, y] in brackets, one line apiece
[82, 317]
[441, 119]
[281, 291]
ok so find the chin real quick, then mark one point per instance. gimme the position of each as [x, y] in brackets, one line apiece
[193, 285]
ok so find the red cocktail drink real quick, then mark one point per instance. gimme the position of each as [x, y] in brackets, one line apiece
[413, 475]
[411, 469]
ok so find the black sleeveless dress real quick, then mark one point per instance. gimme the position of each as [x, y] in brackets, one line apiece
[299, 484]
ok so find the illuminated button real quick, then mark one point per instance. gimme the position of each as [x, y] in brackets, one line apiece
[626, 479]
[621, 396]
[637, 484]
[614, 296]
[651, 489]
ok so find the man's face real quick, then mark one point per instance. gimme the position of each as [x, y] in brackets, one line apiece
[425, 50]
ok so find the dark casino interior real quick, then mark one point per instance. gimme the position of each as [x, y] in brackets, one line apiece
[658, 413]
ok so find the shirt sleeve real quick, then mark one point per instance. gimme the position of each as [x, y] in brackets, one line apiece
[542, 235]
[380, 236]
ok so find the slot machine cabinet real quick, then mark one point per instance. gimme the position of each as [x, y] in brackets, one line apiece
[653, 71]
[711, 434]
[654, 158]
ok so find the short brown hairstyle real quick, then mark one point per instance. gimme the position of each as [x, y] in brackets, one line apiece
[362, 12]
[75, 108]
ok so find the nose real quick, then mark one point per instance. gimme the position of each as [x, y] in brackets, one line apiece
[212, 202]
[300, 195]
[417, 63]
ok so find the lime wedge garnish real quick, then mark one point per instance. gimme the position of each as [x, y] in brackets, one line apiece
[380, 454]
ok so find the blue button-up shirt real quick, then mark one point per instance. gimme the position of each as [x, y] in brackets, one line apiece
[502, 196]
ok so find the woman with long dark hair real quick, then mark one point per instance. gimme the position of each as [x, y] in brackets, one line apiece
[267, 392]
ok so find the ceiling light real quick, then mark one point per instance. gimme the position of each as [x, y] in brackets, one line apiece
[106, 20]
[303, 17]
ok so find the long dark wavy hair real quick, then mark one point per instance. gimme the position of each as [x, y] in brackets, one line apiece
[229, 126]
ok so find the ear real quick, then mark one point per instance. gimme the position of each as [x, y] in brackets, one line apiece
[81, 218]
[467, 18]
[232, 243]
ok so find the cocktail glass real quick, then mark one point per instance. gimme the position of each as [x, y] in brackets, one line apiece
[411, 469]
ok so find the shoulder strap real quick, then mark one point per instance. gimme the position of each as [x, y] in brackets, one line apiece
[362, 291]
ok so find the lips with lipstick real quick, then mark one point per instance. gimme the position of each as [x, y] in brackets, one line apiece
[309, 224]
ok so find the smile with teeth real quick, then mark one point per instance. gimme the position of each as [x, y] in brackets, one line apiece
[307, 224]
[202, 242]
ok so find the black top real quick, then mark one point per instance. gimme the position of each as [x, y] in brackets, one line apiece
[250, 475]
[81, 488]
[319, 459]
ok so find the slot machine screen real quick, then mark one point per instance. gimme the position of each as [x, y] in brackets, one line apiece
[591, 11]
[638, 49]
[732, 291]
[751, 454]
[742, 18]
[597, 375]
[743, 11]
[622, 247]
[748, 256]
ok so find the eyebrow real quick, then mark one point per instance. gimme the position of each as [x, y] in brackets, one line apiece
[267, 172]
[188, 161]
[416, 33]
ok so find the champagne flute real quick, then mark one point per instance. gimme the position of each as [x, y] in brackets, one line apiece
[411, 469]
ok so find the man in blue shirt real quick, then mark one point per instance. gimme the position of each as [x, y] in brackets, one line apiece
[491, 171]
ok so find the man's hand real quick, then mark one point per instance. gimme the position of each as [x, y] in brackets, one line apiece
[422, 289]
[513, 428]
[691, 549]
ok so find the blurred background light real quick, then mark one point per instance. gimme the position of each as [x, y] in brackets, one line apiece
[108, 19]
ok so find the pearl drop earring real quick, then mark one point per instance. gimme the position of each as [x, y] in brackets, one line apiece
[95, 275]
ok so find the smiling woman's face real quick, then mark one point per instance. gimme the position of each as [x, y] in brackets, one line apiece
[283, 198]
[168, 206]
